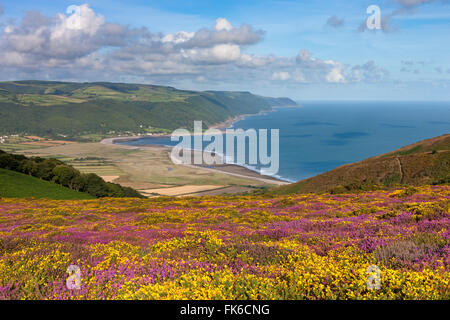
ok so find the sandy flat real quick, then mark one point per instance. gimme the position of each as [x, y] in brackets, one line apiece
[109, 178]
[150, 167]
[175, 191]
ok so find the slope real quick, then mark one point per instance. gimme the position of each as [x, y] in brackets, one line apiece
[18, 185]
[424, 162]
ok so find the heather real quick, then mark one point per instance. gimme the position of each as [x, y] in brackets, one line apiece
[305, 246]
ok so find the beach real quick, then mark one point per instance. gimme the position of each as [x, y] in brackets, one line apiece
[229, 169]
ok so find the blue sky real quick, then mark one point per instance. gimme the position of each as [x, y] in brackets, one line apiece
[306, 50]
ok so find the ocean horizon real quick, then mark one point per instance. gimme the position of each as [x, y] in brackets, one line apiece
[323, 135]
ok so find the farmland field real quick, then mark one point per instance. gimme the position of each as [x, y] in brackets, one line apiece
[144, 168]
[230, 247]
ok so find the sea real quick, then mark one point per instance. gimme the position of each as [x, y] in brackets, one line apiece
[320, 136]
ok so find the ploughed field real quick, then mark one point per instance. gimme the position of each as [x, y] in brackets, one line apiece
[230, 247]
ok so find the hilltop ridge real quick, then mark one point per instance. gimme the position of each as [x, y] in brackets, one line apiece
[74, 110]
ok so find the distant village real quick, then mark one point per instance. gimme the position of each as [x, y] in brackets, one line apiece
[3, 139]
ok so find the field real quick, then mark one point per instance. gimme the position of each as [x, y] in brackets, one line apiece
[18, 185]
[18, 143]
[373, 245]
[148, 168]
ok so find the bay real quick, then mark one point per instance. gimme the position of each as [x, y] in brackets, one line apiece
[320, 136]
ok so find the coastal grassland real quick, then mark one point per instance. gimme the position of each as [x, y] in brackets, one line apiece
[147, 168]
[18, 185]
[230, 247]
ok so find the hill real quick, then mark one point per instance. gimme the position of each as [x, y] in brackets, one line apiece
[65, 175]
[75, 109]
[424, 162]
[18, 185]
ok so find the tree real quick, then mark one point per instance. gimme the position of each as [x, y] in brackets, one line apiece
[114, 190]
[63, 175]
[45, 169]
[28, 167]
[95, 186]
[8, 161]
[79, 183]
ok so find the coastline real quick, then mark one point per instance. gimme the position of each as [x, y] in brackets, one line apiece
[230, 169]
[222, 126]
[230, 121]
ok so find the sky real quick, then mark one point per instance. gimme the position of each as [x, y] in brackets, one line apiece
[305, 50]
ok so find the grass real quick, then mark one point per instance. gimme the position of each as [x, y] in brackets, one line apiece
[13, 147]
[18, 185]
[46, 100]
[410, 151]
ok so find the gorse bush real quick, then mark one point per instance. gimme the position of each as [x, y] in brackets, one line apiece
[428, 211]
[258, 254]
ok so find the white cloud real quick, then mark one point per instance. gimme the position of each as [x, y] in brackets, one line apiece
[179, 37]
[221, 53]
[282, 75]
[303, 55]
[222, 24]
[335, 75]
[84, 45]
[368, 72]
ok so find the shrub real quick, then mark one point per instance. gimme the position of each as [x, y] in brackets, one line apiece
[388, 215]
[430, 240]
[427, 211]
[400, 253]
[255, 253]
[407, 252]
[409, 191]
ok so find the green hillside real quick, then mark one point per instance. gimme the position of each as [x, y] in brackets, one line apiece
[424, 162]
[18, 185]
[75, 109]
[65, 175]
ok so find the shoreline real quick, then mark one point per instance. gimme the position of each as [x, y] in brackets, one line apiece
[222, 126]
[226, 167]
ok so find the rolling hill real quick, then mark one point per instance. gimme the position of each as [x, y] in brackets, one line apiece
[75, 109]
[18, 185]
[424, 162]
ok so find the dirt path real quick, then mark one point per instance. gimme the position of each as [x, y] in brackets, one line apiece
[401, 169]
